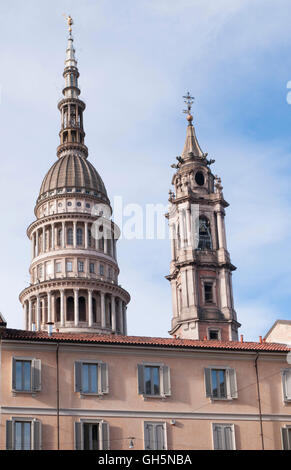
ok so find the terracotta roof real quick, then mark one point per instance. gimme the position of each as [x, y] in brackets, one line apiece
[41, 336]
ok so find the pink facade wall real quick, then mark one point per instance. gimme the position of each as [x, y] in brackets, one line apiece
[125, 410]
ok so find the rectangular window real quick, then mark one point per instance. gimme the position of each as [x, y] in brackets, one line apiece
[23, 434]
[26, 375]
[92, 268]
[92, 435]
[223, 437]
[81, 266]
[154, 380]
[69, 266]
[220, 383]
[155, 436]
[22, 375]
[101, 270]
[91, 377]
[58, 267]
[286, 379]
[213, 334]
[286, 438]
[208, 292]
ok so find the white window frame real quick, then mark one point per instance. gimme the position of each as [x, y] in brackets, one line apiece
[224, 425]
[155, 424]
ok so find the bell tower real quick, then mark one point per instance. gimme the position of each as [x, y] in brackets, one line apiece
[200, 270]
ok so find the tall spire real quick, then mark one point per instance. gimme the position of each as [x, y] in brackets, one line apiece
[71, 107]
[191, 147]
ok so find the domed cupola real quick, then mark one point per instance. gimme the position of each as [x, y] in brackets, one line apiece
[74, 270]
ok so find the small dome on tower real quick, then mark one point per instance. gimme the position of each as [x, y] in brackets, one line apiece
[73, 171]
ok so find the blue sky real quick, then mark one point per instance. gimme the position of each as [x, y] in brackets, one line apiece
[137, 60]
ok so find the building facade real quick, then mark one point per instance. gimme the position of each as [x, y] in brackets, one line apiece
[74, 379]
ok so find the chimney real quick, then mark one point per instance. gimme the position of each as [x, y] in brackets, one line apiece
[241, 338]
[260, 339]
[49, 328]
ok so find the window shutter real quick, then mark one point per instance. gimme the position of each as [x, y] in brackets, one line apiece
[9, 435]
[217, 438]
[208, 388]
[104, 378]
[160, 437]
[14, 374]
[232, 392]
[140, 373]
[78, 436]
[36, 433]
[36, 375]
[286, 438]
[228, 437]
[149, 437]
[166, 380]
[78, 376]
[105, 445]
[287, 384]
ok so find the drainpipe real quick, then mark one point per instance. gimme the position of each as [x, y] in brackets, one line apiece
[58, 399]
[259, 402]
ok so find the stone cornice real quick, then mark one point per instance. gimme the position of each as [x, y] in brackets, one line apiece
[73, 283]
[61, 216]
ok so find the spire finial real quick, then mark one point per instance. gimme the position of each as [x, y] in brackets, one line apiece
[70, 22]
[189, 100]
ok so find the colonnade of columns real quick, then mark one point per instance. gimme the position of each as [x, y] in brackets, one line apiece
[72, 234]
[84, 308]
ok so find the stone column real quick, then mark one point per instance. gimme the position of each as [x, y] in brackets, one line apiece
[220, 230]
[105, 241]
[25, 309]
[62, 307]
[75, 234]
[113, 313]
[181, 225]
[121, 317]
[63, 235]
[90, 308]
[38, 313]
[43, 239]
[53, 236]
[86, 235]
[76, 306]
[49, 305]
[37, 243]
[124, 319]
[32, 245]
[188, 225]
[29, 315]
[103, 317]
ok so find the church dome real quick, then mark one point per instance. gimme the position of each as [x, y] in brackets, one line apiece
[73, 171]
